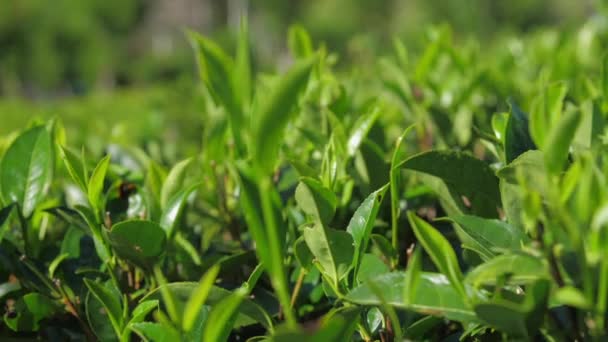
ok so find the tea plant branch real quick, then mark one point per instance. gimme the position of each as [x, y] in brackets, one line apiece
[297, 287]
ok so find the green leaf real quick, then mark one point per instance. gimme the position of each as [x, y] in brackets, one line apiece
[361, 129]
[249, 313]
[303, 253]
[27, 169]
[142, 310]
[333, 250]
[153, 332]
[71, 242]
[98, 318]
[517, 137]
[95, 186]
[110, 303]
[362, 223]
[252, 210]
[222, 317]
[464, 175]
[299, 42]
[316, 200]
[173, 210]
[174, 181]
[529, 168]
[29, 311]
[412, 279]
[271, 119]
[138, 241]
[371, 266]
[519, 268]
[520, 319]
[138, 315]
[55, 263]
[434, 295]
[547, 112]
[559, 139]
[198, 297]
[337, 325]
[395, 186]
[571, 296]
[440, 251]
[489, 235]
[217, 72]
[384, 246]
[75, 166]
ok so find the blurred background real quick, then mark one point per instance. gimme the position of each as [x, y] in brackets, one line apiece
[121, 58]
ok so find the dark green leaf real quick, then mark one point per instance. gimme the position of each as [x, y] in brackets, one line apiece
[517, 137]
[29, 311]
[138, 241]
[27, 169]
[489, 236]
[464, 175]
[110, 302]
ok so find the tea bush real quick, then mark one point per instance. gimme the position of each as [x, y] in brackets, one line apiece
[455, 194]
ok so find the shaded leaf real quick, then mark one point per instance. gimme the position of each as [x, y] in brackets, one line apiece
[464, 174]
[138, 241]
[517, 137]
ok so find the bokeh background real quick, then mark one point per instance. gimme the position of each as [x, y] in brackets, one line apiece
[124, 68]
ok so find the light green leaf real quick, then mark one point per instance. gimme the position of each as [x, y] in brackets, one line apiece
[440, 251]
[270, 121]
[222, 317]
[361, 128]
[333, 249]
[316, 200]
[299, 42]
[559, 139]
[174, 181]
[362, 223]
[75, 166]
[173, 210]
[434, 296]
[152, 332]
[519, 268]
[95, 186]
[198, 297]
